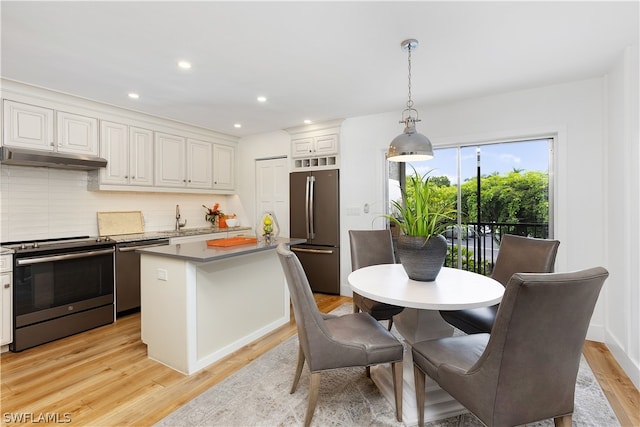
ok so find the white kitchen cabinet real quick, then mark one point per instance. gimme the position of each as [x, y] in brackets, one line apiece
[28, 126]
[77, 134]
[223, 167]
[129, 154]
[199, 164]
[6, 300]
[114, 145]
[315, 146]
[170, 162]
[140, 156]
[182, 162]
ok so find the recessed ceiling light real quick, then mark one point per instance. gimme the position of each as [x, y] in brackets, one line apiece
[307, 122]
[262, 99]
[133, 95]
[185, 65]
[237, 125]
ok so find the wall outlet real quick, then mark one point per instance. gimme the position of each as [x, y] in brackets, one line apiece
[162, 274]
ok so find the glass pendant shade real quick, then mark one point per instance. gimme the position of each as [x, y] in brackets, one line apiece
[410, 146]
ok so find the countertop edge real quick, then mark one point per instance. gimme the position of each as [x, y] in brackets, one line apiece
[199, 252]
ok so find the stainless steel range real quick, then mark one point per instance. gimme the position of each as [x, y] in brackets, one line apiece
[61, 287]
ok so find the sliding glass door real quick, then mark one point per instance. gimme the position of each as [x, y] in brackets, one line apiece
[498, 188]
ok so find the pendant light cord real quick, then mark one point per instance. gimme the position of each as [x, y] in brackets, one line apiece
[409, 101]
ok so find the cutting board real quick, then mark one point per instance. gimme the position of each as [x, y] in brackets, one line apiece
[115, 223]
[231, 241]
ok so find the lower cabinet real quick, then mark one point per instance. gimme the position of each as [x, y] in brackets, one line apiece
[6, 300]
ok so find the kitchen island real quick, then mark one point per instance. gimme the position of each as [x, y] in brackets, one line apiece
[200, 303]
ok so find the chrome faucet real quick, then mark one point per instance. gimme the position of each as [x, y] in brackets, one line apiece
[179, 224]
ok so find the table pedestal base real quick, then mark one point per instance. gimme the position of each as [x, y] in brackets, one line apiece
[417, 325]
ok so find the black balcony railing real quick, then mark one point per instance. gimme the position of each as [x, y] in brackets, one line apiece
[475, 246]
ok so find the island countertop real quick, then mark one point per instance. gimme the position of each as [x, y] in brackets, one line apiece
[200, 252]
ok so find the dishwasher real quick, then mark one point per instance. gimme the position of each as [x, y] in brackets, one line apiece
[128, 273]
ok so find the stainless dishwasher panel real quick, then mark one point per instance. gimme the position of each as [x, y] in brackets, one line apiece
[128, 273]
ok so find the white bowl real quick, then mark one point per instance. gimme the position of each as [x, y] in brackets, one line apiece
[232, 222]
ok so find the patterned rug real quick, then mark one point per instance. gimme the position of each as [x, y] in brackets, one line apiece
[258, 395]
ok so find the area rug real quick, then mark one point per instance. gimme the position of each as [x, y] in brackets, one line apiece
[258, 395]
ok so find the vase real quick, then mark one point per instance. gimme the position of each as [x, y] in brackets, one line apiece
[422, 258]
[267, 228]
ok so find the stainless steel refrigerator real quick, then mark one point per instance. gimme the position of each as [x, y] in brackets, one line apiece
[315, 216]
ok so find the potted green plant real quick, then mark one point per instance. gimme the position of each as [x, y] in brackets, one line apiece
[421, 217]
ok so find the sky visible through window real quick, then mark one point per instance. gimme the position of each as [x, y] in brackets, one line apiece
[500, 158]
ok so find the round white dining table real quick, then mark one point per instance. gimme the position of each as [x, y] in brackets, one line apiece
[453, 289]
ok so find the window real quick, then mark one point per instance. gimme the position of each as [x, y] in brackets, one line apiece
[498, 188]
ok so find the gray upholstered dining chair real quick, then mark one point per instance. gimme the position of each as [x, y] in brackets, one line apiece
[372, 247]
[330, 342]
[526, 369]
[517, 254]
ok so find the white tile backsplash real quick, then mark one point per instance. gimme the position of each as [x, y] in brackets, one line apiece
[41, 203]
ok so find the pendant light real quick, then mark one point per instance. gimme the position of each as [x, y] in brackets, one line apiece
[410, 146]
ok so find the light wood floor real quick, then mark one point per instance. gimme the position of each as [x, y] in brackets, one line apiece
[103, 377]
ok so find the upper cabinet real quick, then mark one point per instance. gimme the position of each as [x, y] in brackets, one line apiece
[144, 153]
[129, 154]
[28, 126]
[315, 146]
[140, 156]
[31, 126]
[223, 167]
[77, 134]
[170, 163]
[183, 162]
[199, 164]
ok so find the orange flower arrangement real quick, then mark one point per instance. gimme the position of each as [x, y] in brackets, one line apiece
[213, 214]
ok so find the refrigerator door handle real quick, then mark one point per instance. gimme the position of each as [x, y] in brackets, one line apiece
[306, 206]
[312, 208]
[312, 251]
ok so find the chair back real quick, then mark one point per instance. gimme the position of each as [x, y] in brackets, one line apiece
[534, 349]
[312, 331]
[370, 247]
[519, 254]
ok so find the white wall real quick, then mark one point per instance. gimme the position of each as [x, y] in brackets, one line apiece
[596, 219]
[622, 296]
[573, 112]
[250, 149]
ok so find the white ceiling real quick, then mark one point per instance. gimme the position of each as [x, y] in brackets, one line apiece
[312, 60]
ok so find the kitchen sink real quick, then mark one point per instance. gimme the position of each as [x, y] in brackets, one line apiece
[192, 232]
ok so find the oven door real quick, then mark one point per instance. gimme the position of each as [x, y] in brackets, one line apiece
[56, 285]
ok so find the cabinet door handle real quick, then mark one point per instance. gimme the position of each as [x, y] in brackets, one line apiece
[7, 285]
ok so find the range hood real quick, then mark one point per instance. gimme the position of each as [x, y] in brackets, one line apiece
[22, 157]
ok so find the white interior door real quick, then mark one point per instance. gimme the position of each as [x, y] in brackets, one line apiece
[272, 190]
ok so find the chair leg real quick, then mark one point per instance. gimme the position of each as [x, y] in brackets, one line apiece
[396, 369]
[564, 421]
[314, 388]
[296, 378]
[390, 324]
[419, 379]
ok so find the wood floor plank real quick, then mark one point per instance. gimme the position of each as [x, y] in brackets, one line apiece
[103, 377]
